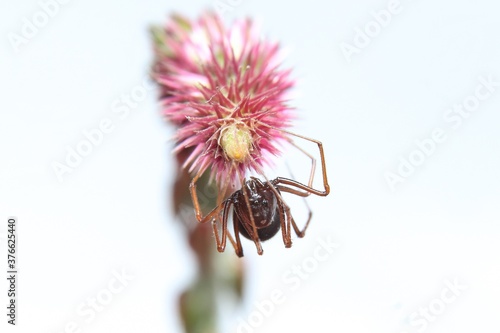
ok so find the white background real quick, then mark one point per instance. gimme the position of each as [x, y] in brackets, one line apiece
[397, 248]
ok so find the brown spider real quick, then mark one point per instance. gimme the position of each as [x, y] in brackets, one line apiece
[259, 210]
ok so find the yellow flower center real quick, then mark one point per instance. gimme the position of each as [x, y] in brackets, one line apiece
[236, 141]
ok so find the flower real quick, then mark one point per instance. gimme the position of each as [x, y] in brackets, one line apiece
[224, 90]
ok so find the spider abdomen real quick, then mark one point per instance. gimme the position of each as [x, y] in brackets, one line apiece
[264, 233]
[264, 210]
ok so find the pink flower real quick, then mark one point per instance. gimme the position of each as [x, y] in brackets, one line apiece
[224, 90]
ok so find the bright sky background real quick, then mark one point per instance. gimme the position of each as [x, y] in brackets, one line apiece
[398, 250]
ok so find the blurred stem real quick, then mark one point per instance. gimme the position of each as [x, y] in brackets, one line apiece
[218, 275]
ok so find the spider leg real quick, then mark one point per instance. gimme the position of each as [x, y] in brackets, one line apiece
[237, 246]
[196, 204]
[284, 212]
[307, 188]
[221, 242]
[311, 175]
[291, 190]
[313, 166]
[253, 233]
[194, 198]
[298, 232]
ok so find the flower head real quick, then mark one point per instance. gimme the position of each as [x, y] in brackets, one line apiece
[224, 90]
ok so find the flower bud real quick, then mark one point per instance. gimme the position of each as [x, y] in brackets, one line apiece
[236, 141]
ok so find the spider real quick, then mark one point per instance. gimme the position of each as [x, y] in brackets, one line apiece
[259, 210]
